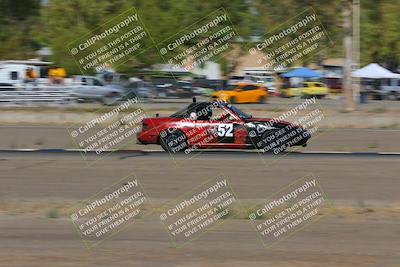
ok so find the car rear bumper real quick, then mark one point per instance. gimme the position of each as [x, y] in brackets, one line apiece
[146, 137]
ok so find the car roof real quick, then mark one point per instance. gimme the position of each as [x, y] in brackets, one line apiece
[244, 84]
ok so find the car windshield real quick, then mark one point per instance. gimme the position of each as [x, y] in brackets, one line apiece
[192, 107]
[266, 79]
[185, 111]
[180, 114]
[230, 87]
[240, 113]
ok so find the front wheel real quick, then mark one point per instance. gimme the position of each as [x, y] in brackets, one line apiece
[173, 140]
[261, 100]
[110, 99]
[269, 142]
[306, 96]
[232, 100]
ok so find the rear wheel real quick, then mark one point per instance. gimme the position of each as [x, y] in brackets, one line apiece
[110, 99]
[392, 96]
[232, 100]
[173, 141]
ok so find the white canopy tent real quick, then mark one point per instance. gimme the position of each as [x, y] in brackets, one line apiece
[374, 71]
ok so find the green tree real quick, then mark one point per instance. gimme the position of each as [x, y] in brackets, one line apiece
[65, 21]
[16, 21]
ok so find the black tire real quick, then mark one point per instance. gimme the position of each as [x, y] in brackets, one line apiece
[272, 142]
[173, 141]
[266, 145]
[392, 96]
[111, 99]
[232, 100]
[261, 100]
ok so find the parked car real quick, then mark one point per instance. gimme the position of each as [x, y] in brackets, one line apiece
[307, 89]
[90, 88]
[390, 89]
[334, 84]
[180, 89]
[238, 79]
[267, 81]
[242, 93]
[136, 87]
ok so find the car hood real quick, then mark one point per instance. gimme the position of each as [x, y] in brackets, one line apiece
[265, 120]
[258, 119]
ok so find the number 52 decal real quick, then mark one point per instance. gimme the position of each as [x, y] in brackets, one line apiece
[225, 130]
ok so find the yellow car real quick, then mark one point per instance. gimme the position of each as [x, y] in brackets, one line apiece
[308, 89]
[242, 93]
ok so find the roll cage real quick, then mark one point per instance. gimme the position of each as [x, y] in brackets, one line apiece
[204, 110]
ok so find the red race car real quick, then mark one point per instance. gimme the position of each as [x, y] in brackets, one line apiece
[219, 125]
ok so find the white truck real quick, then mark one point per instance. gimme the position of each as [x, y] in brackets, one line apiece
[12, 73]
[90, 88]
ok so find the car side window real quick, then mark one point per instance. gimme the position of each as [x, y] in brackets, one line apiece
[220, 114]
[249, 87]
[89, 81]
[14, 75]
[133, 85]
[204, 112]
[318, 85]
[97, 82]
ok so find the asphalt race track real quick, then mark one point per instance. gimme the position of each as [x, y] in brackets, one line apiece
[361, 231]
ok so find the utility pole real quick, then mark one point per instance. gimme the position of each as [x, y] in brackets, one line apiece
[348, 57]
[356, 47]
